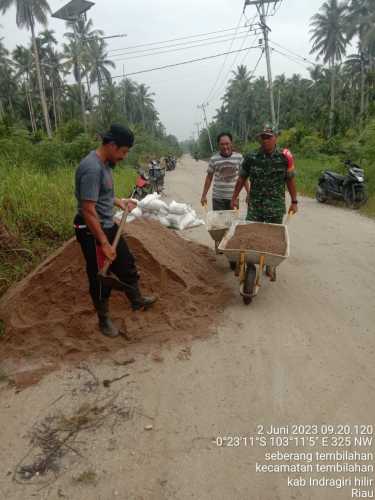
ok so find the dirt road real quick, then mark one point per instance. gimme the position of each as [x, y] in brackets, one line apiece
[302, 353]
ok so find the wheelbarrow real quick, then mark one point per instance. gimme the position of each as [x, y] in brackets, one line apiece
[250, 263]
[218, 222]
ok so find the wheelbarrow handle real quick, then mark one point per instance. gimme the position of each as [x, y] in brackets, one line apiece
[289, 217]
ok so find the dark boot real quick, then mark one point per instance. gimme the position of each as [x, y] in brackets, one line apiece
[271, 272]
[106, 326]
[137, 300]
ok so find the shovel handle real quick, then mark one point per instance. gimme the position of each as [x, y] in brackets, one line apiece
[117, 238]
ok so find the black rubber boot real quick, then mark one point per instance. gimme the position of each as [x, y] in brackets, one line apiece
[137, 300]
[271, 272]
[106, 326]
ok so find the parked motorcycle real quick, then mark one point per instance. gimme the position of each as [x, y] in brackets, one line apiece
[156, 176]
[170, 162]
[350, 188]
[142, 187]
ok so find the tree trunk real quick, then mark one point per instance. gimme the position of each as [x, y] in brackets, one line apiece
[98, 77]
[79, 78]
[54, 104]
[11, 108]
[363, 82]
[40, 81]
[88, 86]
[332, 108]
[31, 110]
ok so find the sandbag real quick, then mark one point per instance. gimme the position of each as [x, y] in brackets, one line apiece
[152, 202]
[178, 208]
[186, 221]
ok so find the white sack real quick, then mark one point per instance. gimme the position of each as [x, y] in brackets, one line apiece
[178, 208]
[152, 202]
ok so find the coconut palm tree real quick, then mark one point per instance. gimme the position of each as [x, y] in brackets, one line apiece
[7, 80]
[79, 36]
[361, 19]
[129, 99]
[145, 100]
[328, 29]
[98, 64]
[23, 61]
[28, 13]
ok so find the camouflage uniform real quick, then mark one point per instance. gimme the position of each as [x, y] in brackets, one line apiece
[268, 175]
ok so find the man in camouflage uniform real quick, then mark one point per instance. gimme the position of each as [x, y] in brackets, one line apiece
[268, 170]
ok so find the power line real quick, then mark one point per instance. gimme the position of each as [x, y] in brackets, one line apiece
[256, 64]
[225, 81]
[247, 53]
[224, 62]
[291, 58]
[293, 53]
[177, 39]
[203, 108]
[188, 42]
[276, 7]
[185, 62]
[175, 50]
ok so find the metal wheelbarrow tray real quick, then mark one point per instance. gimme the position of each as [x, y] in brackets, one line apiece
[218, 223]
[247, 258]
[253, 256]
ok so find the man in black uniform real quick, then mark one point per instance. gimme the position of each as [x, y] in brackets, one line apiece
[95, 229]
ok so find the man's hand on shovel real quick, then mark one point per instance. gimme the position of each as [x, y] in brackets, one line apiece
[108, 251]
[107, 278]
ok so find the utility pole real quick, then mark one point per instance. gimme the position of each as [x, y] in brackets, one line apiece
[203, 108]
[262, 14]
[198, 130]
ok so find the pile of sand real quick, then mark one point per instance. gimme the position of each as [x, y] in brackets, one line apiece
[49, 317]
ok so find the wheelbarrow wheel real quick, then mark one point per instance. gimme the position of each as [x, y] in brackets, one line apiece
[250, 277]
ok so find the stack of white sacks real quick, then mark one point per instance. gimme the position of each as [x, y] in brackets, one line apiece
[175, 215]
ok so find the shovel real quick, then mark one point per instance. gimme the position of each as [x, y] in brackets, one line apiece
[108, 279]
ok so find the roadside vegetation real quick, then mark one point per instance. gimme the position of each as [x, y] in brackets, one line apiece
[37, 203]
[325, 116]
[55, 96]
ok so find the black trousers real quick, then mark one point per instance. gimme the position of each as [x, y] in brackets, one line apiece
[123, 266]
[220, 204]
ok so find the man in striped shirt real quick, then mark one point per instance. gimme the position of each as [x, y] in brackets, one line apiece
[223, 170]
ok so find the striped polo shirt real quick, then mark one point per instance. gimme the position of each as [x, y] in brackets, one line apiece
[225, 172]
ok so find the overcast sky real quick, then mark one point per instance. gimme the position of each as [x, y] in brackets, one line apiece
[179, 90]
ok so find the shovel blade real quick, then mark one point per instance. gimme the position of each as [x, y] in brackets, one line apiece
[109, 280]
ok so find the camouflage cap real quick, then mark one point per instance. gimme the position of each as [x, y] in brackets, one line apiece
[269, 130]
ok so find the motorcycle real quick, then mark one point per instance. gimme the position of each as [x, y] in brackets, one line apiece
[156, 176]
[142, 187]
[170, 163]
[350, 188]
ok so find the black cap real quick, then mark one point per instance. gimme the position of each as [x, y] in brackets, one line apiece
[121, 136]
[269, 130]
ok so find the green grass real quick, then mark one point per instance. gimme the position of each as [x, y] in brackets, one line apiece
[38, 207]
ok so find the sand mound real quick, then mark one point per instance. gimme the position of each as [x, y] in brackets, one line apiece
[48, 316]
